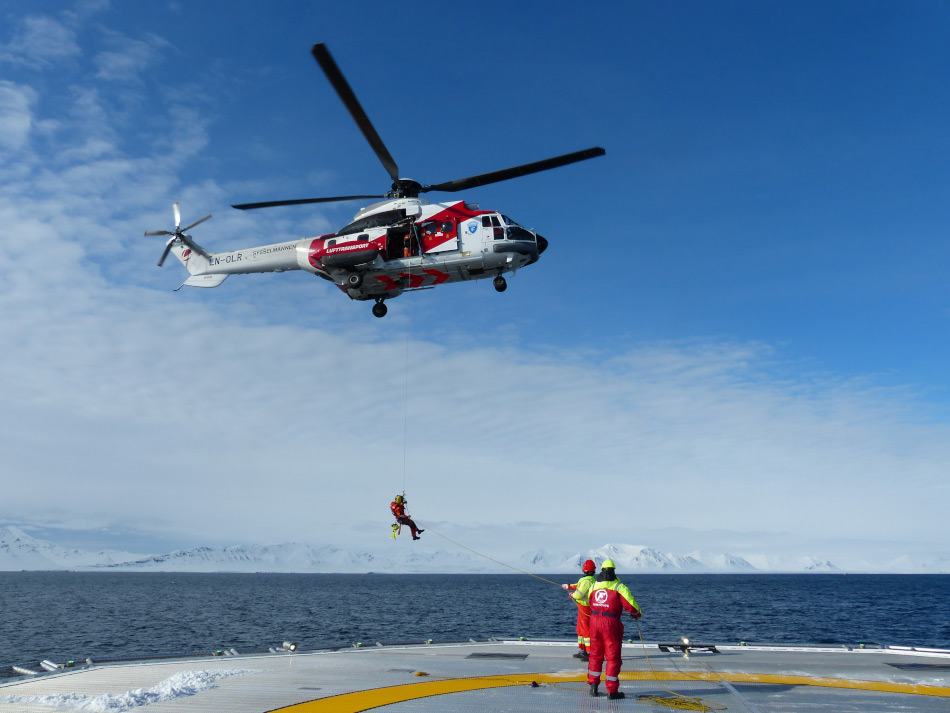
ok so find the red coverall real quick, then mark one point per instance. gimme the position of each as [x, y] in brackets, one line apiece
[579, 594]
[608, 600]
[399, 511]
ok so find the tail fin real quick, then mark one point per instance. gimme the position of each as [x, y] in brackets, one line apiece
[195, 260]
[194, 257]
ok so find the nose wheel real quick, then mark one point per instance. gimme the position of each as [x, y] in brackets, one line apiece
[500, 284]
[380, 309]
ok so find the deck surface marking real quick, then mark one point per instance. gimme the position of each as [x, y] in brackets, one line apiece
[359, 701]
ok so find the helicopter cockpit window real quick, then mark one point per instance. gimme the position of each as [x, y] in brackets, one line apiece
[497, 229]
[486, 221]
[516, 232]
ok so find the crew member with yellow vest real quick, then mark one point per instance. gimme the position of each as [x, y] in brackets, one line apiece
[398, 507]
[608, 598]
[579, 595]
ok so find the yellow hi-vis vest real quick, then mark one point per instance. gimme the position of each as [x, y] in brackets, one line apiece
[581, 589]
[617, 598]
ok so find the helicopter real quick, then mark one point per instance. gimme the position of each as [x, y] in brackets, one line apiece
[400, 244]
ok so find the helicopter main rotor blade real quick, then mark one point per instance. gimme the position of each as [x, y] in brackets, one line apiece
[505, 174]
[301, 201]
[343, 90]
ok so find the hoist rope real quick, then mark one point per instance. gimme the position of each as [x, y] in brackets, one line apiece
[405, 403]
[680, 701]
[405, 417]
[492, 559]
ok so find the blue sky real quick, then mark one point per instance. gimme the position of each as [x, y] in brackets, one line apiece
[737, 340]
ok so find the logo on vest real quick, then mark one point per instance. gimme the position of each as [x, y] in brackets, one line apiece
[600, 596]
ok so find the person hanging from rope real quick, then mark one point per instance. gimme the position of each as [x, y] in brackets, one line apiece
[398, 506]
[579, 594]
[609, 598]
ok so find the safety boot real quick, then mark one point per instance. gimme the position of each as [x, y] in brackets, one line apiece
[616, 696]
[593, 689]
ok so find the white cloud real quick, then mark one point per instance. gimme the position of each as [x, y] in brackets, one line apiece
[40, 42]
[128, 58]
[236, 415]
[16, 117]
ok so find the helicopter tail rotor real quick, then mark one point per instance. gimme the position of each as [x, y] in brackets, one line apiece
[179, 234]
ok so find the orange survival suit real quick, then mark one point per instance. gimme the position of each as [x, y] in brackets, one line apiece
[398, 506]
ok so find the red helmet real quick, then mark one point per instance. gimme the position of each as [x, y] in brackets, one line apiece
[589, 566]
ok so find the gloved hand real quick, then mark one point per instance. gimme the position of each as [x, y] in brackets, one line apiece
[566, 587]
[635, 615]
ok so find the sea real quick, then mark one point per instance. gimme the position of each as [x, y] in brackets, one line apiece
[65, 616]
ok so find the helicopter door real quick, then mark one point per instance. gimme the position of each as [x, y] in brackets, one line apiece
[439, 236]
[400, 242]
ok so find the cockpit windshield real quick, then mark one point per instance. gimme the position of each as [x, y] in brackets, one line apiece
[515, 231]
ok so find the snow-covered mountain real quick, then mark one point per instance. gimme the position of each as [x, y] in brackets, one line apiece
[19, 551]
[302, 558]
[637, 558]
[722, 562]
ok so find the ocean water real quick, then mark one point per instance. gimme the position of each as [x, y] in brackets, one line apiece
[111, 615]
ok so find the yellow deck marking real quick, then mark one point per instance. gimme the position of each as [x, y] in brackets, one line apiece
[375, 697]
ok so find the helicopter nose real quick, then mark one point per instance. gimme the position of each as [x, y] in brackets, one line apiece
[542, 244]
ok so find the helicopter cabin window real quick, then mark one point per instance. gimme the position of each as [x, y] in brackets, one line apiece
[377, 220]
[493, 222]
[438, 235]
[330, 243]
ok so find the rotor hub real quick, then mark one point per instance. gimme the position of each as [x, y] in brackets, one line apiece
[405, 188]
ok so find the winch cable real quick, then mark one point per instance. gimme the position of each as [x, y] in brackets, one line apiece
[427, 528]
[690, 703]
[405, 416]
[405, 402]
[678, 701]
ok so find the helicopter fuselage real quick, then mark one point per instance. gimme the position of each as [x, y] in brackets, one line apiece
[397, 245]
[389, 248]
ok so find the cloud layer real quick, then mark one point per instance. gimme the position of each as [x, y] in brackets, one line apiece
[263, 412]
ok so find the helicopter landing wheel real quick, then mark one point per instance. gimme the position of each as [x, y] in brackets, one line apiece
[500, 284]
[354, 280]
[380, 309]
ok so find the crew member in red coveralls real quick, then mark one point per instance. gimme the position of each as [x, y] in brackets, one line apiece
[609, 598]
[398, 506]
[579, 594]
